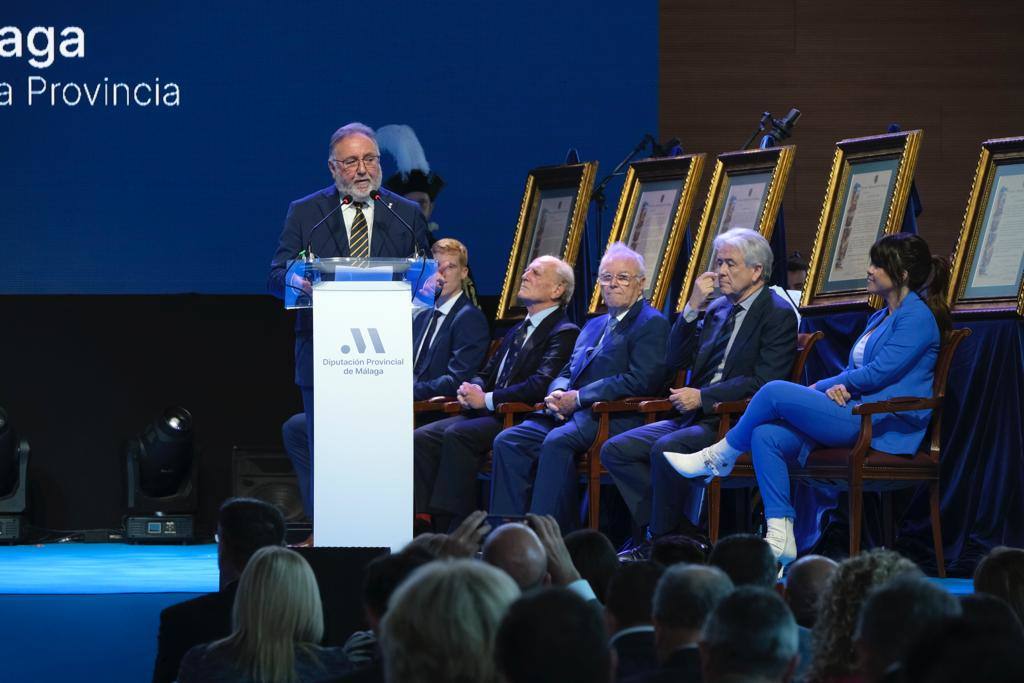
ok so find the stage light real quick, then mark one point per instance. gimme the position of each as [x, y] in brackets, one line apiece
[13, 473]
[162, 479]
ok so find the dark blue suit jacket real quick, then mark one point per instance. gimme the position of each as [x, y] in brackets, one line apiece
[456, 353]
[631, 362]
[389, 239]
[543, 356]
[763, 350]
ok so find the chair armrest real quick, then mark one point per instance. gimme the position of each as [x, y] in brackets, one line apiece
[897, 405]
[731, 407]
[514, 407]
[436, 404]
[658, 405]
[625, 405]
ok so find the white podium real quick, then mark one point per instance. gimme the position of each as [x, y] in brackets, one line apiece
[362, 378]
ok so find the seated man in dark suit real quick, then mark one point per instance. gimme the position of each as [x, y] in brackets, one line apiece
[746, 338]
[244, 525]
[619, 354]
[448, 451]
[451, 339]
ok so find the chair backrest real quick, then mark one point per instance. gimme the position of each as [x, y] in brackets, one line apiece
[805, 341]
[950, 340]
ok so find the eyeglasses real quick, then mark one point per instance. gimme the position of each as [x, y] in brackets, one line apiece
[621, 278]
[369, 161]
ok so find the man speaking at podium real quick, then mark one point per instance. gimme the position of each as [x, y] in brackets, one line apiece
[341, 220]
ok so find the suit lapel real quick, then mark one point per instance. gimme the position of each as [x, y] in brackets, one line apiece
[444, 327]
[383, 238]
[713, 327]
[619, 330]
[538, 336]
[335, 225]
[750, 322]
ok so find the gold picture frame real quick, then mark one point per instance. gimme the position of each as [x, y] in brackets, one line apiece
[556, 201]
[654, 208]
[989, 280]
[762, 174]
[865, 198]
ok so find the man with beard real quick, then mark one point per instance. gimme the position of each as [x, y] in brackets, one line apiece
[361, 228]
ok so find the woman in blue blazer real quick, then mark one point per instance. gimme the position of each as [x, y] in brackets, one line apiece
[894, 356]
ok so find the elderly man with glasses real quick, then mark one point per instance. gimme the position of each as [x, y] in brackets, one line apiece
[356, 225]
[619, 354]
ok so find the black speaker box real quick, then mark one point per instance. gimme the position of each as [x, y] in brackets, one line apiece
[267, 474]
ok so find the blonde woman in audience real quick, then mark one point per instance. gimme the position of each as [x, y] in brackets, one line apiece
[278, 623]
[835, 657]
[441, 623]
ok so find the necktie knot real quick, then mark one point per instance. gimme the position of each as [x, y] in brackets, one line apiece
[359, 205]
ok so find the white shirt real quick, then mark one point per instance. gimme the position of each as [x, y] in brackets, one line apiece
[348, 214]
[444, 309]
[857, 355]
[535, 320]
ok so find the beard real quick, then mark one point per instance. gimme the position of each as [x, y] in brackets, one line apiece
[345, 186]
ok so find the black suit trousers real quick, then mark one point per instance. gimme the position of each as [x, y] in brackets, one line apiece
[447, 456]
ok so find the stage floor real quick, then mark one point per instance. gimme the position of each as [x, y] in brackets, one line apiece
[98, 605]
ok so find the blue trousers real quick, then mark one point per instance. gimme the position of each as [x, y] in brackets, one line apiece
[535, 465]
[783, 418]
[654, 492]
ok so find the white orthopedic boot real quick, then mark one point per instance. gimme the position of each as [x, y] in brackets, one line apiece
[781, 538]
[716, 460]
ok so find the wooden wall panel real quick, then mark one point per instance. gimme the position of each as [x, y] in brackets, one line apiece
[954, 69]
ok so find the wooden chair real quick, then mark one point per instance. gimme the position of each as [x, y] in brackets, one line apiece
[728, 410]
[861, 468]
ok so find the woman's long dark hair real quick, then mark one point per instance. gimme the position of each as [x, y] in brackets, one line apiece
[925, 274]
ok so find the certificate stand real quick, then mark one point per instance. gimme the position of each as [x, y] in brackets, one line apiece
[362, 379]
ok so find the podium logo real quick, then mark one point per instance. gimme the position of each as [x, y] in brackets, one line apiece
[360, 341]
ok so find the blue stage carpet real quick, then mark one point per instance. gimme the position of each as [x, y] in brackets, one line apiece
[89, 612]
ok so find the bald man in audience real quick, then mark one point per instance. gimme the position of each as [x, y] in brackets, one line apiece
[805, 582]
[516, 550]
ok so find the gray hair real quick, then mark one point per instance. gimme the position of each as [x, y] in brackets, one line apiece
[687, 593]
[442, 621]
[354, 128]
[565, 273]
[277, 609]
[619, 250]
[755, 249]
[752, 633]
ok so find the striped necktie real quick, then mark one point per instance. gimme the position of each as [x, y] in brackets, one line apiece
[359, 241]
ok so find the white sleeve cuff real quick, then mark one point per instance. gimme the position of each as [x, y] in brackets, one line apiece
[489, 400]
[581, 587]
[689, 315]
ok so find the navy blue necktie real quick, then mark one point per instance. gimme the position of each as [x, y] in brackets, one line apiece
[513, 353]
[719, 344]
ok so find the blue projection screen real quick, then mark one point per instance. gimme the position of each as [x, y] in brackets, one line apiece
[154, 147]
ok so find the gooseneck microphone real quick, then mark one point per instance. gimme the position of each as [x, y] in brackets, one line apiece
[784, 128]
[345, 201]
[377, 197]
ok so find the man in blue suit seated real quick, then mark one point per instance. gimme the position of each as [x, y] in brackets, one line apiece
[451, 339]
[448, 451]
[619, 354]
[339, 220]
[747, 337]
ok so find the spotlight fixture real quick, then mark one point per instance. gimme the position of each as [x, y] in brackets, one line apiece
[13, 473]
[162, 480]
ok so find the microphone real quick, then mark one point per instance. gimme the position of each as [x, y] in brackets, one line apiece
[376, 196]
[664, 149]
[784, 128]
[437, 291]
[345, 201]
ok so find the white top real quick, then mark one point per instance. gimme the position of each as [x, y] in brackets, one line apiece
[858, 349]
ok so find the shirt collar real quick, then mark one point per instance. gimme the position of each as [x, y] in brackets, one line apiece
[537, 318]
[642, 628]
[446, 307]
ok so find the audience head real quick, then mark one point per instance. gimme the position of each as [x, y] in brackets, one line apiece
[750, 635]
[683, 599]
[354, 161]
[244, 525]
[553, 636]
[805, 583]
[277, 608]
[441, 546]
[621, 276]
[987, 613]
[676, 549]
[894, 615]
[547, 280]
[743, 260]
[595, 559]
[834, 653]
[631, 595]
[384, 574]
[747, 559]
[442, 621]
[906, 261]
[955, 650]
[1001, 573]
[516, 550]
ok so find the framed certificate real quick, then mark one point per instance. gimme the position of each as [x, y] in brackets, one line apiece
[746, 192]
[551, 220]
[865, 199]
[988, 262]
[651, 218]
